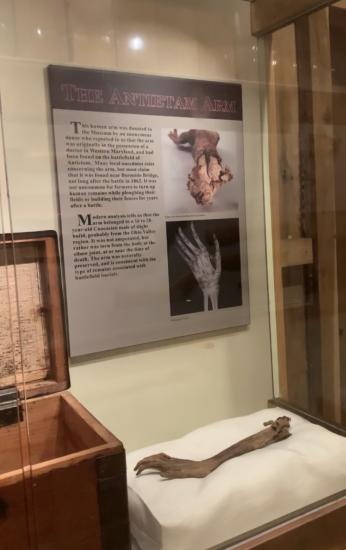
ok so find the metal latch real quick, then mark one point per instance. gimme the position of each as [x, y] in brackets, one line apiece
[10, 407]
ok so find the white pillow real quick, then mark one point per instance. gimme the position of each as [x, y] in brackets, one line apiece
[243, 493]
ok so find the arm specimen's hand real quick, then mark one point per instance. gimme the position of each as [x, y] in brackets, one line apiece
[174, 136]
[173, 468]
[206, 272]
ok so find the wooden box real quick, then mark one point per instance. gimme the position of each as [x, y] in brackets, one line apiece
[62, 474]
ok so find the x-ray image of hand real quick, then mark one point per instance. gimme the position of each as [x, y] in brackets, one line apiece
[205, 267]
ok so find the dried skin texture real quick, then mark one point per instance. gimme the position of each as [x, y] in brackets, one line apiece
[174, 468]
[206, 269]
[208, 174]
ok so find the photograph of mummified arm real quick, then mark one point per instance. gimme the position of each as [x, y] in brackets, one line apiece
[208, 173]
[205, 268]
[174, 468]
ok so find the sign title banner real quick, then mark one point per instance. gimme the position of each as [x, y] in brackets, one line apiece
[106, 91]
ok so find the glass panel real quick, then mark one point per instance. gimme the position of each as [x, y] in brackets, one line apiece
[134, 265]
[15, 474]
[305, 112]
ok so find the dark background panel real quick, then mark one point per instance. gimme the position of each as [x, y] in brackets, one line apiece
[107, 81]
[185, 295]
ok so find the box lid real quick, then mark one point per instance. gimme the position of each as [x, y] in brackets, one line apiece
[33, 350]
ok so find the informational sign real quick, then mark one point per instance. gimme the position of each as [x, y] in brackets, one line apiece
[151, 192]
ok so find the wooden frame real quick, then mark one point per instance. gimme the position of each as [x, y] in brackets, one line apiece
[323, 144]
[338, 47]
[44, 246]
[291, 251]
[270, 15]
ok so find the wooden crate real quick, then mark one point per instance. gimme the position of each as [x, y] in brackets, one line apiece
[62, 474]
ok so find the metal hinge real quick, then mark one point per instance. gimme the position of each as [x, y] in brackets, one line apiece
[10, 406]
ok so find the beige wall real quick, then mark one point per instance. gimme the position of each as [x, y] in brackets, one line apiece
[159, 391]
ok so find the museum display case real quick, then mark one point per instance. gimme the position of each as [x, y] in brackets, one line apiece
[172, 275]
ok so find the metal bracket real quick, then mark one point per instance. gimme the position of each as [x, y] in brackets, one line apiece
[11, 410]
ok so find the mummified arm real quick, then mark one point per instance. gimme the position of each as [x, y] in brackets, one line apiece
[173, 468]
[208, 173]
[183, 138]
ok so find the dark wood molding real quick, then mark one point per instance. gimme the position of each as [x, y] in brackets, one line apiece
[337, 20]
[113, 505]
[308, 214]
[270, 15]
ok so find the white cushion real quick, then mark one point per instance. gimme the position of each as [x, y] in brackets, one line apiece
[243, 493]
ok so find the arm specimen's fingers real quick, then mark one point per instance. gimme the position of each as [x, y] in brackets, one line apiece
[148, 466]
[154, 463]
[196, 237]
[205, 301]
[173, 135]
[147, 459]
[144, 462]
[217, 256]
[187, 252]
[185, 258]
[188, 243]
